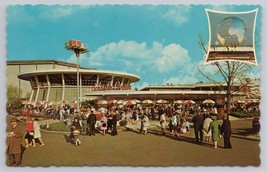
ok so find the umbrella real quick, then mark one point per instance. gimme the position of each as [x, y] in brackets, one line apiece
[178, 102]
[53, 103]
[147, 101]
[120, 102]
[189, 102]
[136, 101]
[255, 100]
[248, 101]
[238, 101]
[112, 101]
[129, 102]
[162, 101]
[37, 103]
[102, 102]
[73, 101]
[208, 101]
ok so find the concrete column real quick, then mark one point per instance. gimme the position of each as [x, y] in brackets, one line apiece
[31, 95]
[112, 80]
[81, 90]
[38, 88]
[122, 82]
[97, 80]
[63, 87]
[48, 88]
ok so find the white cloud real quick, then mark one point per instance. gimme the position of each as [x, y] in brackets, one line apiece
[164, 61]
[138, 57]
[178, 14]
[172, 56]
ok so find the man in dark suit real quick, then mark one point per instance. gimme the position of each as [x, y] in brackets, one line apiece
[14, 143]
[114, 123]
[198, 125]
[91, 123]
[226, 132]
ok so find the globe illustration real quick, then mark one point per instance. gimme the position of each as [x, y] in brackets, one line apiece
[231, 31]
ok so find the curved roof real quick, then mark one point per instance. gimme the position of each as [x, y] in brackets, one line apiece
[28, 75]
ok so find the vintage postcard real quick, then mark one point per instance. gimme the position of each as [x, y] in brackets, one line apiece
[133, 85]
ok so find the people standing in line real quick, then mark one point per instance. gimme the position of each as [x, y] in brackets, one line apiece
[162, 124]
[37, 132]
[114, 123]
[29, 137]
[91, 123]
[175, 125]
[103, 121]
[215, 130]
[226, 131]
[206, 129]
[75, 131]
[14, 143]
[198, 125]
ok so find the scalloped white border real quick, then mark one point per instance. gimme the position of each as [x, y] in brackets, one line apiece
[263, 52]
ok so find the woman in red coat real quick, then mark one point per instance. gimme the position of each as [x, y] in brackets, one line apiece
[29, 139]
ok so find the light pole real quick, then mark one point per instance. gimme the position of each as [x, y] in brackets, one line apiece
[78, 48]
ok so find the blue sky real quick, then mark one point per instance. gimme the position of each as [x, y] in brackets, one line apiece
[159, 43]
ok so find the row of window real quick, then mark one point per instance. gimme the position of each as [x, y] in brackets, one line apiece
[71, 79]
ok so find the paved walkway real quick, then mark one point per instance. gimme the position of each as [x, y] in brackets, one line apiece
[130, 148]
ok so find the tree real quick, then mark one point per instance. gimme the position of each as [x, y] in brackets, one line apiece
[226, 71]
[13, 96]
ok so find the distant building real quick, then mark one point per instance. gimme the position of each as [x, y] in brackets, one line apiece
[51, 80]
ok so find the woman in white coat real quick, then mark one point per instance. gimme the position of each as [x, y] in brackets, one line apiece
[206, 129]
[37, 133]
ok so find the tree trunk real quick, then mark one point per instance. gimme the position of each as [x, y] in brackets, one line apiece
[228, 96]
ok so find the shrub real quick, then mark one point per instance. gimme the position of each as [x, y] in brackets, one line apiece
[59, 126]
[244, 114]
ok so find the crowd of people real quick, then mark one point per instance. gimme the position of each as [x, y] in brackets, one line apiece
[177, 119]
[173, 119]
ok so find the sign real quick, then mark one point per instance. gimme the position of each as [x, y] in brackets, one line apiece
[108, 88]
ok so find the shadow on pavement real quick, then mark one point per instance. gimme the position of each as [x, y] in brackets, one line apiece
[244, 133]
[182, 138]
[67, 138]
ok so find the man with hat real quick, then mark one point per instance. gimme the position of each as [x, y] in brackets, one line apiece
[14, 142]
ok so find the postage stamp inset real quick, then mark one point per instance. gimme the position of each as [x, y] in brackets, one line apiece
[232, 36]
